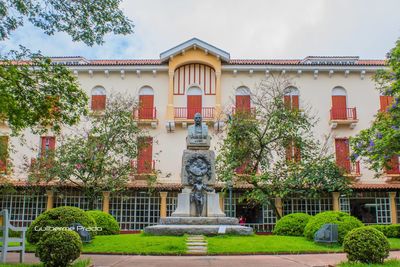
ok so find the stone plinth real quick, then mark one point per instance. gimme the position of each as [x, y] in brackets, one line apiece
[180, 229]
[188, 155]
[200, 220]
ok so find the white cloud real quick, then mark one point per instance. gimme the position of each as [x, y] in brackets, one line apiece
[245, 29]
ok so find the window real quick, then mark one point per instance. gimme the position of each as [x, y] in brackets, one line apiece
[339, 103]
[343, 157]
[385, 102]
[47, 143]
[394, 166]
[293, 152]
[98, 98]
[3, 153]
[242, 99]
[291, 98]
[145, 155]
[146, 103]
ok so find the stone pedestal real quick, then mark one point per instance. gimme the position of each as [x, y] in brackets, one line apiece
[189, 155]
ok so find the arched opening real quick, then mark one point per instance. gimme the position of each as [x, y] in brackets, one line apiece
[291, 97]
[339, 103]
[194, 101]
[98, 98]
[147, 111]
[242, 99]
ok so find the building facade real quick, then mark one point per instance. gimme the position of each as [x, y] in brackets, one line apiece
[198, 77]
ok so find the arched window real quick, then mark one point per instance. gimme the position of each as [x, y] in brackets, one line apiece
[242, 99]
[291, 97]
[98, 98]
[339, 103]
[146, 103]
[194, 101]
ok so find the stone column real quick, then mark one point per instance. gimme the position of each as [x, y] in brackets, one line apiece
[106, 202]
[222, 201]
[163, 204]
[170, 105]
[218, 96]
[50, 199]
[393, 208]
[335, 201]
[278, 205]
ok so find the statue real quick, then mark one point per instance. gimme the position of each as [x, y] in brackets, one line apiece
[197, 195]
[198, 137]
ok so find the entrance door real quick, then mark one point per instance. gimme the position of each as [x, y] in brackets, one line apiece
[339, 107]
[146, 106]
[194, 105]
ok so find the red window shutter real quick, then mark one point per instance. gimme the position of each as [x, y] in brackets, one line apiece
[339, 106]
[194, 105]
[385, 101]
[295, 102]
[47, 143]
[146, 107]
[293, 152]
[145, 155]
[289, 152]
[3, 153]
[98, 102]
[243, 103]
[342, 154]
[287, 101]
[296, 153]
[393, 165]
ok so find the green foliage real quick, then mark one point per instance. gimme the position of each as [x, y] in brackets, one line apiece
[390, 230]
[99, 157]
[58, 217]
[49, 95]
[366, 245]
[381, 141]
[107, 222]
[84, 20]
[292, 224]
[344, 221]
[258, 144]
[59, 248]
[387, 263]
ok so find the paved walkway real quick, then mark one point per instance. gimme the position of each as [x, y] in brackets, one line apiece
[211, 261]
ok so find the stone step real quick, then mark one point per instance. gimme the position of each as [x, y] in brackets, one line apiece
[196, 243]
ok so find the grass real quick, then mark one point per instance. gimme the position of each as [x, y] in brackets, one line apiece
[272, 244]
[134, 244]
[78, 263]
[388, 263]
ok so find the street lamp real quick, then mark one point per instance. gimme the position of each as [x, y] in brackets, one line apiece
[230, 186]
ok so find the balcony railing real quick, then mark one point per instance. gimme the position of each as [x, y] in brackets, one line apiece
[343, 114]
[350, 168]
[188, 113]
[143, 166]
[145, 114]
[395, 170]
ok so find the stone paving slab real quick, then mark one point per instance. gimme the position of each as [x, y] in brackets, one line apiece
[303, 260]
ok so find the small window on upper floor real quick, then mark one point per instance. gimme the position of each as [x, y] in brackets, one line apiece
[291, 97]
[242, 99]
[98, 98]
[146, 110]
[385, 102]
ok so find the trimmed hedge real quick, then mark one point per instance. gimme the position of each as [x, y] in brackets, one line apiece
[389, 230]
[107, 223]
[58, 248]
[344, 221]
[58, 217]
[366, 245]
[292, 224]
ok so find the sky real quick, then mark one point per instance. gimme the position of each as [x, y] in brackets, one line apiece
[259, 29]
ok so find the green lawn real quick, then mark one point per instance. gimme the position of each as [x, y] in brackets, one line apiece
[388, 263]
[272, 244]
[134, 244]
[78, 263]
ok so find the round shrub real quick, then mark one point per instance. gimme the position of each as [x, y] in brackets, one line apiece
[107, 223]
[366, 245]
[58, 248]
[390, 230]
[292, 224]
[58, 217]
[344, 221]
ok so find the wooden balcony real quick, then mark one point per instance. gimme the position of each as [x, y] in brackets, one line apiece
[146, 116]
[351, 169]
[343, 116]
[185, 114]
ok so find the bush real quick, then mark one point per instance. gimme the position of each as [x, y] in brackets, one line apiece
[58, 248]
[292, 224]
[106, 221]
[58, 217]
[344, 221]
[390, 230]
[366, 245]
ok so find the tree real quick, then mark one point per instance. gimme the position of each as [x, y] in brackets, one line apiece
[33, 92]
[97, 158]
[260, 146]
[381, 142]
